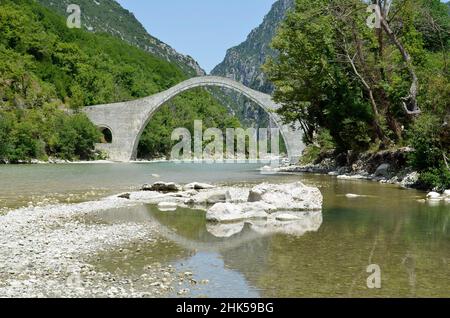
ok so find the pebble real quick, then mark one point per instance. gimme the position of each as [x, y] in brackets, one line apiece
[41, 247]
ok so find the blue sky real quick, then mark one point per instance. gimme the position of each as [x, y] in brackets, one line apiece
[204, 29]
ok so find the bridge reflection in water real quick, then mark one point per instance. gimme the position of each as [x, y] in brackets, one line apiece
[221, 253]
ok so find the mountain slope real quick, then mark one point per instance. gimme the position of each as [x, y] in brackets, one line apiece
[243, 63]
[109, 17]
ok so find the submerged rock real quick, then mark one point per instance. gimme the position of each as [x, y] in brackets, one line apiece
[167, 206]
[225, 230]
[353, 196]
[229, 212]
[292, 223]
[297, 223]
[198, 186]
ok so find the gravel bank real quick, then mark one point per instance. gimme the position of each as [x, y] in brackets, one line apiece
[45, 251]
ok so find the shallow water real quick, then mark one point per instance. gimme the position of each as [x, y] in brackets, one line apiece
[411, 246]
[23, 184]
[324, 254]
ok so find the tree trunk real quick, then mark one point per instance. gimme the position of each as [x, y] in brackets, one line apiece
[411, 99]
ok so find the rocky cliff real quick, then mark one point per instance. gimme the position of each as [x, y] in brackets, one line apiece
[243, 63]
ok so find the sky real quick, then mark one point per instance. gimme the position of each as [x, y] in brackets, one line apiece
[203, 29]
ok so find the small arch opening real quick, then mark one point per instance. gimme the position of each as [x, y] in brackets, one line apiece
[106, 137]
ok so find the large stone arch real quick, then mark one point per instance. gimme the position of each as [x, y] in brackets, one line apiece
[127, 120]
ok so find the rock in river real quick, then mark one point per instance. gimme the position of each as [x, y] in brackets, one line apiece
[164, 187]
[209, 197]
[167, 206]
[433, 196]
[265, 199]
[198, 186]
[291, 196]
[230, 212]
[383, 170]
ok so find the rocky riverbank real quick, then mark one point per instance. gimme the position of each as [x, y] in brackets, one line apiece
[388, 167]
[49, 251]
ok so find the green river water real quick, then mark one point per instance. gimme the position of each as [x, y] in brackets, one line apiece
[387, 226]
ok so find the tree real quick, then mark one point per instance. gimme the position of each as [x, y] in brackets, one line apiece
[327, 52]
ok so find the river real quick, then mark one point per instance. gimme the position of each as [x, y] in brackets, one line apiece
[385, 225]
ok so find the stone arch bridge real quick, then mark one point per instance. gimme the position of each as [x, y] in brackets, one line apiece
[127, 120]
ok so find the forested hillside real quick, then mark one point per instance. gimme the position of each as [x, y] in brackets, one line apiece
[48, 72]
[107, 16]
[360, 89]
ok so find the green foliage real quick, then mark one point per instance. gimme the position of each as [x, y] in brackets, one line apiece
[37, 133]
[436, 179]
[323, 142]
[110, 18]
[335, 73]
[182, 111]
[43, 64]
[311, 85]
[427, 137]
[76, 138]
[424, 137]
[77, 67]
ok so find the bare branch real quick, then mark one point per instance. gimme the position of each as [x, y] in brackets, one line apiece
[411, 99]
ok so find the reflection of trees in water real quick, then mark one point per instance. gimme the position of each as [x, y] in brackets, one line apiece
[333, 261]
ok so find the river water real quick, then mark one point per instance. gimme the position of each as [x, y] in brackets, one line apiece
[388, 226]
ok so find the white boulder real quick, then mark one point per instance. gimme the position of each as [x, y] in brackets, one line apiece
[266, 199]
[209, 197]
[410, 179]
[433, 196]
[291, 196]
[352, 177]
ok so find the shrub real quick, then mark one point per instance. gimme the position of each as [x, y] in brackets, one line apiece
[436, 179]
[424, 138]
